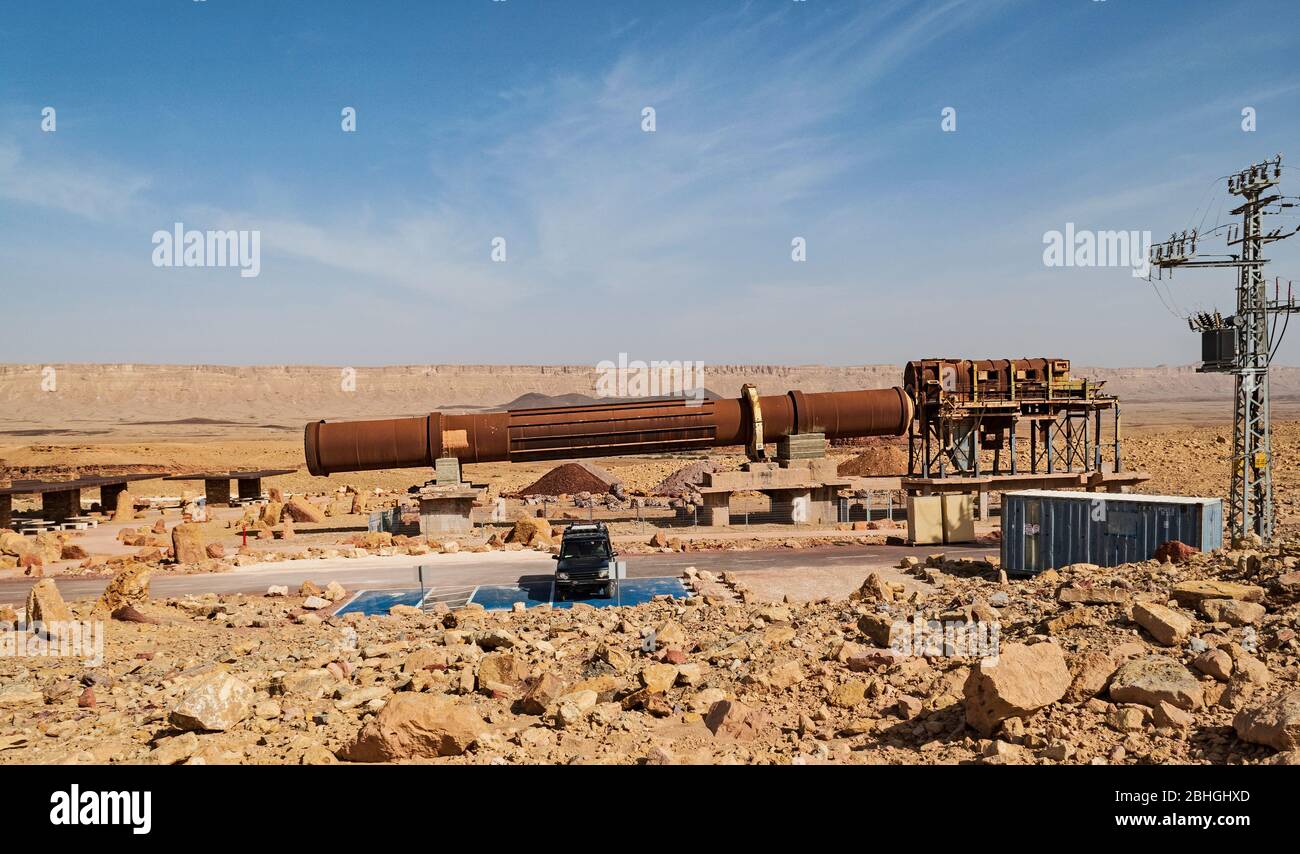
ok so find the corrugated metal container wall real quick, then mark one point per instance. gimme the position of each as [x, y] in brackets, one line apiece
[1043, 529]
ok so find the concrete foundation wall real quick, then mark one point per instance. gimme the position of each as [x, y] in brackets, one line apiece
[440, 516]
[760, 476]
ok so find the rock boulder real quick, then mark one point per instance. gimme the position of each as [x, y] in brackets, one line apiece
[416, 726]
[1021, 680]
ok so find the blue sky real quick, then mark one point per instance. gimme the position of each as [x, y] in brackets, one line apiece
[519, 119]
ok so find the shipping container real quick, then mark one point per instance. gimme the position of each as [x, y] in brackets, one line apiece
[1044, 529]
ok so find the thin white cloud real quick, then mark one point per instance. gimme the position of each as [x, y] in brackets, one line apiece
[99, 192]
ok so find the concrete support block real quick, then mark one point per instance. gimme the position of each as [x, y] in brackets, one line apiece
[717, 509]
[108, 494]
[6, 511]
[800, 446]
[217, 492]
[440, 516]
[825, 506]
[250, 488]
[57, 506]
[447, 471]
[788, 474]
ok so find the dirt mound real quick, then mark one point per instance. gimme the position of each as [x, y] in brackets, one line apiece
[533, 400]
[572, 478]
[883, 460]
[681, 481]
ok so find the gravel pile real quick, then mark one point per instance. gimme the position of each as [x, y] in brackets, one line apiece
[878, 461]
[572, 478]
[684, 479]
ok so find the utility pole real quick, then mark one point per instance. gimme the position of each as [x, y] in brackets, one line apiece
[1240, 345]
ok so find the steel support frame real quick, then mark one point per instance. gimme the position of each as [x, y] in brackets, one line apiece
[1064, 444]
[1250, 508]
[1250, 501]
[1068, 440]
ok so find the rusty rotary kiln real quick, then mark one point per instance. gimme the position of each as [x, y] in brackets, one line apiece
[602, 429]
[947, 402]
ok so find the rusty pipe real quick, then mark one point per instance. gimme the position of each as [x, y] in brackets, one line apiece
[597, 429]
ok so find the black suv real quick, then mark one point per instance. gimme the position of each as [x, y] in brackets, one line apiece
[583, 564]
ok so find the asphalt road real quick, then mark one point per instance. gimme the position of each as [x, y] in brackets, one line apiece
[463, 571]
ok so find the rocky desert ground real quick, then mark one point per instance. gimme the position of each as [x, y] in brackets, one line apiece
[1189, 659]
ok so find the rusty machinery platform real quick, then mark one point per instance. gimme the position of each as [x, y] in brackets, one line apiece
[968, 408]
